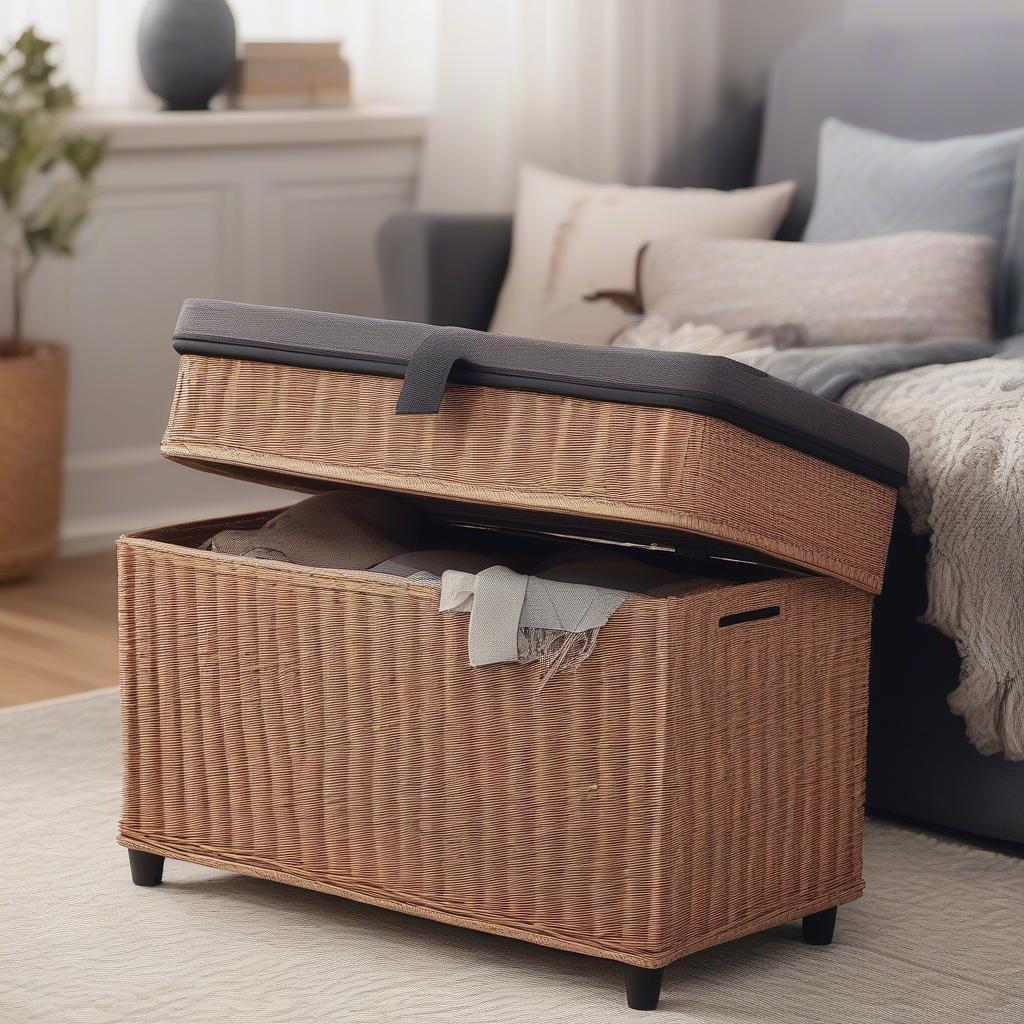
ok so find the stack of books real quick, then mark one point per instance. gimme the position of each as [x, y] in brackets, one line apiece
[285, 75]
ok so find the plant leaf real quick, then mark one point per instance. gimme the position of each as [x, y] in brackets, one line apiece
[84, 153]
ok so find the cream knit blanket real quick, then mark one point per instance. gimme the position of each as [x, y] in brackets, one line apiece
[965, 425]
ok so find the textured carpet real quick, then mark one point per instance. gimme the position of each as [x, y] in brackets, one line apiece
[938, 937]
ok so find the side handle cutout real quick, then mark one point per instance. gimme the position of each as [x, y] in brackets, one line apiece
[752, 616]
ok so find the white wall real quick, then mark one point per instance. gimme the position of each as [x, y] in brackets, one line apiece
[754, 32]
[919, 11]
[280, 208]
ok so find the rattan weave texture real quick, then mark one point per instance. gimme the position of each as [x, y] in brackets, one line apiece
[33, 396]
[516, 449]
[690, 783]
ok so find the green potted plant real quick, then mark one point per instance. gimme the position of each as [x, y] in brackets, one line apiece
[46, 176]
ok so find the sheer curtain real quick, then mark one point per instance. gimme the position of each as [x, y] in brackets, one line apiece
[389, 42]
[604, 89]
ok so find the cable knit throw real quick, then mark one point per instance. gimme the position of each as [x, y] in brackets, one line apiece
[961, 408]
[963, 416]
[965, 425]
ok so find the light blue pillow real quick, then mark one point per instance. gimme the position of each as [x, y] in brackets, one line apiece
[870, 184]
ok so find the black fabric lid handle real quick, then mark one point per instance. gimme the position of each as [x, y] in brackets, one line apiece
[426, 375]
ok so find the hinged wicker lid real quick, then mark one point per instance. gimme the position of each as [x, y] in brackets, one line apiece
[640, 444]
[429, 357]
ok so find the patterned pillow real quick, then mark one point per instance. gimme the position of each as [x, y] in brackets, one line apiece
[870, 183]
[906, 287]
[570, 237]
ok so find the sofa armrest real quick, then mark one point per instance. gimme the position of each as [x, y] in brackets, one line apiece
[442, 268]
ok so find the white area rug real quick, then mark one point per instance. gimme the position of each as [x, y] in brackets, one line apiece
[938, 937]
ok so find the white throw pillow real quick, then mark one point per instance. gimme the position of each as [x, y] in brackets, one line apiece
[573, 237]
[905, 287]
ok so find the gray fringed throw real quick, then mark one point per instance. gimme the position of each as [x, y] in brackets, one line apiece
[523, 618]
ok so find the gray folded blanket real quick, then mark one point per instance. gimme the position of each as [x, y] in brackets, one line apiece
[337, 530]
[552, 615]
[610, 568]
[555, 614]
[524, 618]
[428, 566]
[829, 371]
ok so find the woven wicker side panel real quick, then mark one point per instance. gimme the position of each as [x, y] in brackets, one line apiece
[768, 748]
[328, 728]
[627, 463]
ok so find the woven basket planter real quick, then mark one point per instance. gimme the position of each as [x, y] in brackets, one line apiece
[33, 395]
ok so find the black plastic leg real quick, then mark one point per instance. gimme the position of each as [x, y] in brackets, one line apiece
[147, 868]
[643, 987]
[818, 928]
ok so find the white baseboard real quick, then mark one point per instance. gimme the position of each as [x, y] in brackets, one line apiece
[120, 490]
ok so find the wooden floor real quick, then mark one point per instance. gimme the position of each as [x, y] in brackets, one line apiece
[58, 631]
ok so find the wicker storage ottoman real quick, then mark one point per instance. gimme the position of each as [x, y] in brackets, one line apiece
[698, 778]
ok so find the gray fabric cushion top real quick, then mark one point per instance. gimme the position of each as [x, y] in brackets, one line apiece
[711, 385]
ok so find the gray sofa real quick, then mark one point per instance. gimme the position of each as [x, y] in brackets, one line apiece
[921, 83]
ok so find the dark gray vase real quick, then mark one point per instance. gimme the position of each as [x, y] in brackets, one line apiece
[186, 50]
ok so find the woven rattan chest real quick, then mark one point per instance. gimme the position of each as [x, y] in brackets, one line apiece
[698, 778]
